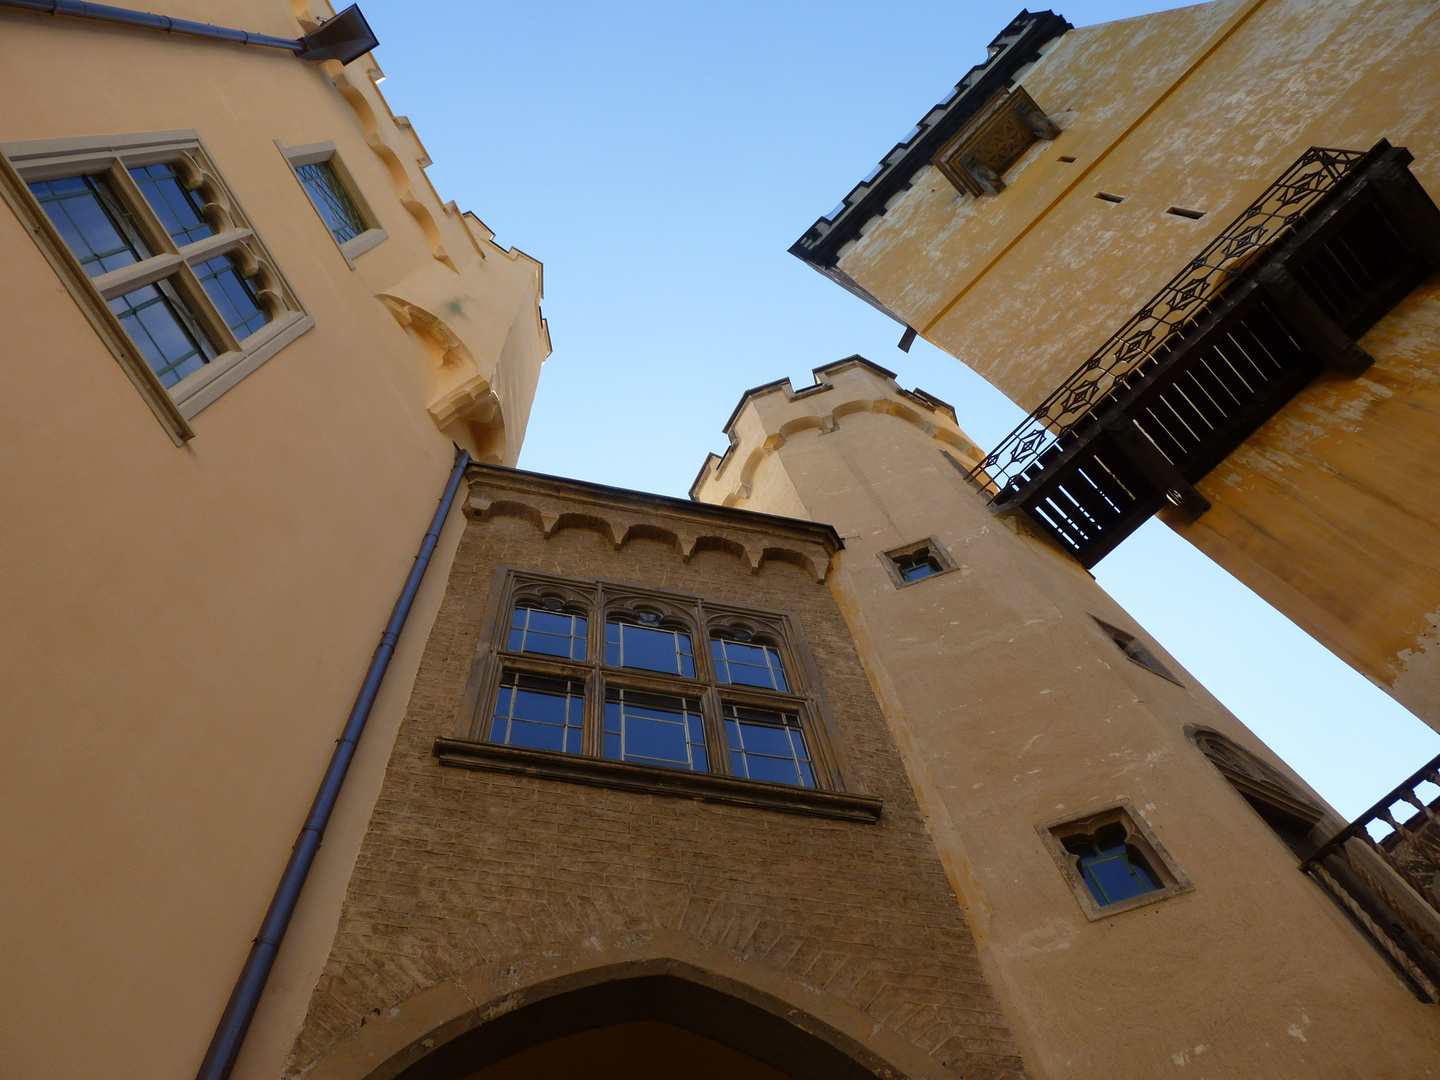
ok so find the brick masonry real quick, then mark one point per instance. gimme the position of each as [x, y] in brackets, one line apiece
[462, 868]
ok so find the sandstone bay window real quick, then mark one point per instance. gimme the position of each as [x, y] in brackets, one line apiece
[157, 252]
[644, 696]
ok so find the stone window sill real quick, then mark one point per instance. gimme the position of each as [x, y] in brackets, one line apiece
[709, 787]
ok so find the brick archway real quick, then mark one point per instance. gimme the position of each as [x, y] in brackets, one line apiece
[459, 1026]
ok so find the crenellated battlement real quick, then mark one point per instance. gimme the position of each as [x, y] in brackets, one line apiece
[770, 415]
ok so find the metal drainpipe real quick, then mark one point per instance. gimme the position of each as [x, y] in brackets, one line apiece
[345, 37]
[240, 1010]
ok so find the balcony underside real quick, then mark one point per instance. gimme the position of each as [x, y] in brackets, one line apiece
[1286, 315]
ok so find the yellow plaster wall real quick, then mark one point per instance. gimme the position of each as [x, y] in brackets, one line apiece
[184, 629]
[1011, 709]
[1328, 512]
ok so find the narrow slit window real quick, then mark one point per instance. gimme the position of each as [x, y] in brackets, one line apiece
[1067, 159]
[1180, 211]
[655, 729]
[1105, 196]
[766, 745]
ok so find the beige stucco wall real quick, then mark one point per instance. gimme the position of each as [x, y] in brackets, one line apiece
[184, 629]
[1329, 512]
[1012, 709]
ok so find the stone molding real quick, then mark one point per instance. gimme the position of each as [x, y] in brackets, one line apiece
[627, 776]
[553, 504]
[933, 417]
[449, 1010]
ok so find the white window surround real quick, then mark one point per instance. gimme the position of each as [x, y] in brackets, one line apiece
[287, 320]
[314, 153]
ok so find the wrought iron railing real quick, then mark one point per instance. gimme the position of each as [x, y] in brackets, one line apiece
[1408, 843]
[1185, 299]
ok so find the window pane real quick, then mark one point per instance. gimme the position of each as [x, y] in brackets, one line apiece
[750, 665]
[542, 714]
[232, 296]
[652, 729]
[93, 222]
[1112, 870]
[548, 632]
[628, 645]
[164, 330]
[179, 210]
[767, 745]
[917, 565]
[332, 200]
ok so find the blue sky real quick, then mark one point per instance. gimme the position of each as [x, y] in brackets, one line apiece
[660, 159]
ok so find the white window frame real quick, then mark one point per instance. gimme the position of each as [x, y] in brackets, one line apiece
[313, 154]
[113, 155]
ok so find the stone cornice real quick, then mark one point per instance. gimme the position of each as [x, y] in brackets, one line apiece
[553, 504]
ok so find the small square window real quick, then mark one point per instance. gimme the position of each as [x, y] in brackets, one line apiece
[336, 197]
[916, 562]
[1112, 860]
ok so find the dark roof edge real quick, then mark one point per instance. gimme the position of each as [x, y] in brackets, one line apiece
[1013, 48]
[815, 531]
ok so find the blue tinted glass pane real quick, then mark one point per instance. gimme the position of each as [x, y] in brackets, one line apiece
[542, 714]
[737, 763]
[232, 296]
[612, 718]
[547, 622]
[166, 333]
[764, 739]
[775, 770]
[516, 637]
[518, 619]
[698, 761]
[536, 736]
[93, 223]
[655, 739]
[687, 663]
[717, 648]
[807, 775]
[577, 650]
[336, 206]
[612, 746]
[548, 644]
[916, 571]
[178, 209]
[1113, 878]
[653, 650]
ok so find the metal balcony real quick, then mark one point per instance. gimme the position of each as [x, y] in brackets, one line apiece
[1279, 296]
[1384, 869]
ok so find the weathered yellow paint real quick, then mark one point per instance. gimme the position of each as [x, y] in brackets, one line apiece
[1011, 709]
[184, 629]
[1329, 511]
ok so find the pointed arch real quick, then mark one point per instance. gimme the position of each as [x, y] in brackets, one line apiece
[499, 1009]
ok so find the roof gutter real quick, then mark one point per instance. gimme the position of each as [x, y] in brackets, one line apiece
[240, 1009]
[346, 37]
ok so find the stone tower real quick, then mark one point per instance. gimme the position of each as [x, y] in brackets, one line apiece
[1030, 710]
